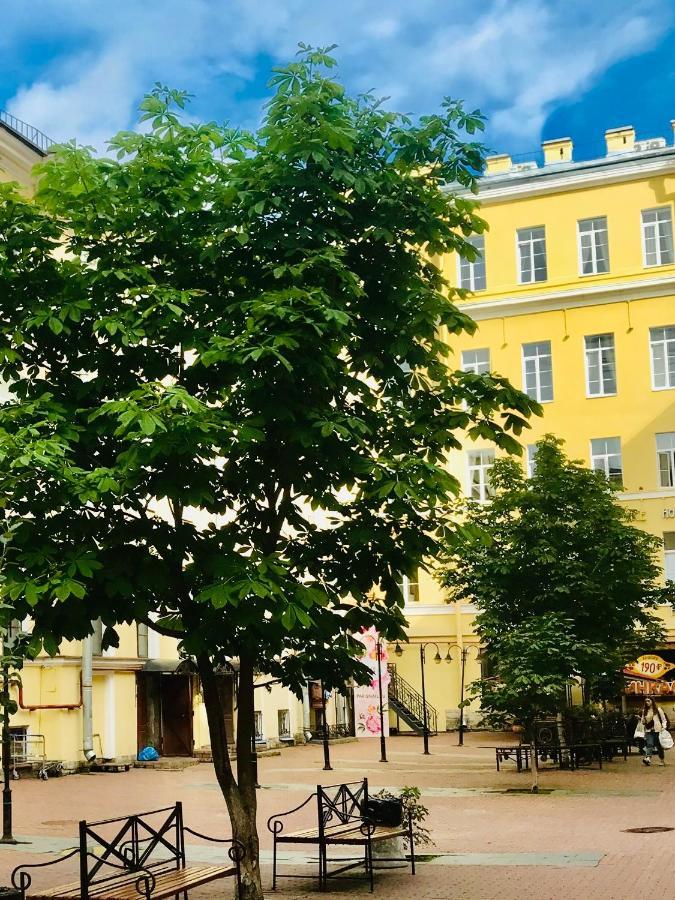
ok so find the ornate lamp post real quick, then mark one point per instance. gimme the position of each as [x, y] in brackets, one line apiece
[464, 652]
[398, 650]
[326, 747]
[383, 742]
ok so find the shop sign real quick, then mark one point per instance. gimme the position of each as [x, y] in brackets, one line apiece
[648, 674]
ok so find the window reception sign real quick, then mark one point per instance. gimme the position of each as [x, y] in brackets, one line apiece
[651, 674]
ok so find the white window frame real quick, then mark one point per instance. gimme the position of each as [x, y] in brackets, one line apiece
[477, 367]
[670, 451]
[531, 459]
[594, 249]
[410, 590]
[532, 280]
[259, 732]
[477, 241]
[538, 371]
[599, 351]
[670, 377]
[643, 232]
[483, 468]
[604, 459]
[287, 716]
[668, 559]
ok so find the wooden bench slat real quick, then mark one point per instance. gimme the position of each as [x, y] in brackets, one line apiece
[167, 883]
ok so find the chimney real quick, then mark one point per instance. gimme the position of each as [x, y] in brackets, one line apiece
[497, 165]
[620, 140]
[557, 151]
[672, 125]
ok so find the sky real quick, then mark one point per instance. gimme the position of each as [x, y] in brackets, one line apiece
[538, 69]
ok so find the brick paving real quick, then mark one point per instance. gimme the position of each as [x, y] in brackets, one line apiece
[492, 841]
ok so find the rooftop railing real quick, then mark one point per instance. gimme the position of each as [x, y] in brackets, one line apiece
[28, 133]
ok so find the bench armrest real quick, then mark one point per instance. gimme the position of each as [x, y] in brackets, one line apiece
[275, 823]
[237, 851]
[21, 877]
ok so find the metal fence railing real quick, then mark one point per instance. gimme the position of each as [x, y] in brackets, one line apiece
[33, 136]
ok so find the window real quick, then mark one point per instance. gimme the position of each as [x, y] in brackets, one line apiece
[142, 640]
[593, 246]
[538, 371]
[600, 365]
[284, 719]
[409, 589]
[476, 361]
[471, 275]
[606, 458]
[531, 459]
[662, 342]
[657, 236]
[480, 464]
[531, 254]
[665, 457]
[258, 724]
[669, 554]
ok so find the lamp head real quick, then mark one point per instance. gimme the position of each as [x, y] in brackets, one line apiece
[398, 650]
[448, 658]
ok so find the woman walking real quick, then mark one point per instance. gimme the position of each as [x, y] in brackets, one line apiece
[654, 721]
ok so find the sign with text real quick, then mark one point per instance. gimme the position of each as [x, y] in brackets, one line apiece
[367, 696]
[649, 674]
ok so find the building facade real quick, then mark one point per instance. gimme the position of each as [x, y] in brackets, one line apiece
[574, 296]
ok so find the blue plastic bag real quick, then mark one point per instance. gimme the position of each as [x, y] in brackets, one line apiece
[148, 754]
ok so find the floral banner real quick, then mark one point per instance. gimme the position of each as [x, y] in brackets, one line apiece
[367, 696]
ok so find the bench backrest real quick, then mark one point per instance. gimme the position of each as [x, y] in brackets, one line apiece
[341, 803]
[137, 843]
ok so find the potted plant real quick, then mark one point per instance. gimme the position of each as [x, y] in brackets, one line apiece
[395, 847]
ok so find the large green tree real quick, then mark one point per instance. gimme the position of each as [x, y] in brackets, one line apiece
[565, 583]
[230, 402]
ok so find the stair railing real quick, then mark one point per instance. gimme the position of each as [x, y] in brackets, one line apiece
[401, 692]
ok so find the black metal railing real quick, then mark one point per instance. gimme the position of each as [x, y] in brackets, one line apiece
[334, 731]
[33, 136]
[404, 696]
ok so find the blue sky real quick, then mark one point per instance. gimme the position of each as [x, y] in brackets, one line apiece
[538, 69]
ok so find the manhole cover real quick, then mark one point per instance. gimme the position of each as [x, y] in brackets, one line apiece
[650, 829]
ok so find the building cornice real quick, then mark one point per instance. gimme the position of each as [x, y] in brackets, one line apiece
[585, 176]
[616, 292]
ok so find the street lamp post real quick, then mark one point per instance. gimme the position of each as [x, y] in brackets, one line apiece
[7, 836]
[326, 749]
[464, 652]
[425, 718]
[383, 742]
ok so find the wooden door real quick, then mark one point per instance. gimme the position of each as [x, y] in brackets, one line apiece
[176, 692]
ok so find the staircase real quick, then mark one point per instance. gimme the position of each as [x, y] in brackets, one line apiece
[407, 703]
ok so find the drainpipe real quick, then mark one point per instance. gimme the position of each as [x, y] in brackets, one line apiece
[305, 712]
[87, 700]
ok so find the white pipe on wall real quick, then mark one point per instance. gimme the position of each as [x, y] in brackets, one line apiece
[87, 700]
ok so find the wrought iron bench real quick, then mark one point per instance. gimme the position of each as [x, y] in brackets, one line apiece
[344, 818]
[132, 857]
[519, 753]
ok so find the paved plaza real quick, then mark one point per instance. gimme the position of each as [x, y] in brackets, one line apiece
[493, 840]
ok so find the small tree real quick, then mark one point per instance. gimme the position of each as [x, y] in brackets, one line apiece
[231, 404]
[565, 583]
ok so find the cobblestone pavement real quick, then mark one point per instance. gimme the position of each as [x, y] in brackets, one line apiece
[493, 840]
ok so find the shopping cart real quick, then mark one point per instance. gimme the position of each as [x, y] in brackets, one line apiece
[29, 750]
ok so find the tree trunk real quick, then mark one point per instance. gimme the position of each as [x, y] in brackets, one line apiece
[239, 794]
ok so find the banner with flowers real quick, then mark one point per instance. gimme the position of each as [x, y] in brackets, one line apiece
[367, 696]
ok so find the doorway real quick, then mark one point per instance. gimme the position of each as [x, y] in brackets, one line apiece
[164, 713]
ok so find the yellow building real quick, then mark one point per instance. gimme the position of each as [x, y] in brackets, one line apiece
[574, 296]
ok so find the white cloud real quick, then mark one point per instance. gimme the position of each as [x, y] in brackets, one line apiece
[516, 59]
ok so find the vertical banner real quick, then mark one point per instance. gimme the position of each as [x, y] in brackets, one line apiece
[367, 696]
